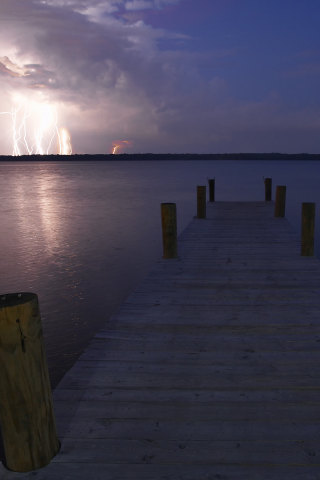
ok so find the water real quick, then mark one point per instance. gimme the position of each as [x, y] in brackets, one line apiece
[82, 235]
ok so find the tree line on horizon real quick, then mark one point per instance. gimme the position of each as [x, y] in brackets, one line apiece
[171, 156]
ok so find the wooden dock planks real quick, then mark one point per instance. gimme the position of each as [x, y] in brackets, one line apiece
[209, 370]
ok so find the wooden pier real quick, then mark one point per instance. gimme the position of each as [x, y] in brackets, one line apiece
[211, 368]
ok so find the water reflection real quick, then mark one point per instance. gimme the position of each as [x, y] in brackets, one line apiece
[51, 212]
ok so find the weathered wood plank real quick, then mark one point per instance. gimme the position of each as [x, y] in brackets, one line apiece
[157, 314]
[104, 451]
[226, 296]
[148, 471]
[76, 376]
[242, 367]
[264, 279]
[201, 358]
[185, 332]
[217, 344]
[218, 411]
[170, 395]
[237, 336]
[206, 430]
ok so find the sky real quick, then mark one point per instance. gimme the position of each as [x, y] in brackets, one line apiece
[160, 76]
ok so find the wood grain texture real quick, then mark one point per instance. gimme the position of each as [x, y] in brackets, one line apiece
[148, 471]
[210, 369]
[26, 409]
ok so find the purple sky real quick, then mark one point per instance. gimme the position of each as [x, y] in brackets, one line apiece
[177, 76]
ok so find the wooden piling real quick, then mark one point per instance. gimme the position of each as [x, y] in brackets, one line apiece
[280, 202]
[211, 189]
[26, 409]
[268, 189]
[169, 230]
[201, 202]
[307, 229]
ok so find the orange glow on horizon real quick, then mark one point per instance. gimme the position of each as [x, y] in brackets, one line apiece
[119, 145]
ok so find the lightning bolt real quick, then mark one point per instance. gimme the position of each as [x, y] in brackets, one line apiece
[119, 145]
[65, 142]
[45, 120]
[16, 132]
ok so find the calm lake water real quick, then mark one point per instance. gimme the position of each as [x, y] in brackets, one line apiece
[82, 235]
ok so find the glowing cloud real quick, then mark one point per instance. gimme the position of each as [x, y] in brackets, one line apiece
[12, 69]
[120, 145]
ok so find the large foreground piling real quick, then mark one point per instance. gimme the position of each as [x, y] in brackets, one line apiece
[307, 229]
[26, 409]
[280, 202]
[211, 189]
[201, 202]
[169, 230]
[267, 189]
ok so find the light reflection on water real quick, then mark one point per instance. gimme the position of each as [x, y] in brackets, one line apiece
[82, 235]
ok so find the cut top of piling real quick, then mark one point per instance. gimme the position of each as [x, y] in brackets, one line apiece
[15, 299]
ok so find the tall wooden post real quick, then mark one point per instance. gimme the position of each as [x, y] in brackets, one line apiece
[201, 202]
[26, 410]
[268, 189]
[211, 189]
[169, 230]
[280, 202]
[307, 229]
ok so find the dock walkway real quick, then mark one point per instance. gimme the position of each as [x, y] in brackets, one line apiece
[209, 371]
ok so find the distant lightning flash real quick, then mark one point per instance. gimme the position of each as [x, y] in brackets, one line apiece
[45, 129]
[119, 145]
[65, 142]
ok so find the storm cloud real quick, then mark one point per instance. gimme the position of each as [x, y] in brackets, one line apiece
[114, 73]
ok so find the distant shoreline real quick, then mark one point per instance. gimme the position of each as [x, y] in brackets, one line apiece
[162, 156]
